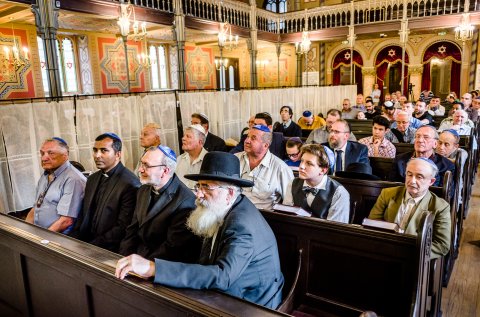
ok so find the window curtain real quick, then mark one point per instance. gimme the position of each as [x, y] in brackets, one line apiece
[443, 50]
[390, 55]
[343, 58]
[24, 127]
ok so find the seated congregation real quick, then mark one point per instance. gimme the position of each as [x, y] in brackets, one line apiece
[205, 219]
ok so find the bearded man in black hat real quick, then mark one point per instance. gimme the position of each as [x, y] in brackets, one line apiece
[239, 245]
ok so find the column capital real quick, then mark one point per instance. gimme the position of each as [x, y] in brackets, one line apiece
[415, 69]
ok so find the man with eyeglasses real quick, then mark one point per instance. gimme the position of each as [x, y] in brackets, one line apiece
[403, 131]
[60, 189]
[158, 228]
[424, 146]
[319, 136]
[346, 152]
[191, 160]
[239, 254]
[269, 173]
[110, 196]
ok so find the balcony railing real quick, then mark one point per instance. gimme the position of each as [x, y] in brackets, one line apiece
[369, 11]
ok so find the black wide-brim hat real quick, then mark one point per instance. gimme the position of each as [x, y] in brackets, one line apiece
[358, 171]
[220, 166]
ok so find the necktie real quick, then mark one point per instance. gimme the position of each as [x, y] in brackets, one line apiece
[405, 213]
[338, 161]
[285, 126]
[50, 177]
[308, 189]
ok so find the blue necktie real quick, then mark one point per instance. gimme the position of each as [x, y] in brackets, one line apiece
[338, 161]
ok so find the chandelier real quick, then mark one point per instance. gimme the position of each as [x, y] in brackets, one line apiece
[139, 29]
[225, 37]
[464, 32]
[221, 63]
[15, 58]
[304, 46]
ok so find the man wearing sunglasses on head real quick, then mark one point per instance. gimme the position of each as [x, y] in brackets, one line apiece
[158, 228]
[60, 189]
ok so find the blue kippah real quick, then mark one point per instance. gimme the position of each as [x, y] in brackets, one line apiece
[261, 127]
[307, 114]
[168, 152]
[452, 131]
[56, 138]
[113, 136]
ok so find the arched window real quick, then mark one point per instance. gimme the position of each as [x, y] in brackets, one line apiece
[67, 64]
[43, 65]
[278, 6]
[158, 69]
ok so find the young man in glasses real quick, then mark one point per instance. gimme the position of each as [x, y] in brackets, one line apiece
[59, 191]
[158, 228]
[239, 254]
[110, 196]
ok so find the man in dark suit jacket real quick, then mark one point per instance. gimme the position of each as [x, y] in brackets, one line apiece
[239, 254]
[287, 127]
[277, 147]
[346, 152]
[158, 228]
[212, 142]
[110, 196]
[425, 143]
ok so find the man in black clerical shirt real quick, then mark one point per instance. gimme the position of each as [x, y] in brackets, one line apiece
[110, 197]
[287, 126]
[158, 228]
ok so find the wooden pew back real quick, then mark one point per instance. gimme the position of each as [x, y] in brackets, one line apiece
[348, 269]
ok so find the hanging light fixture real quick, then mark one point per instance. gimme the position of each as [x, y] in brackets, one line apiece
[139, 28]
[464, 32]
[13, 55]
[225, 37]
[304, 46]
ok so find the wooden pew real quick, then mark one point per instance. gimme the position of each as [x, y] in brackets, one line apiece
[347, 269]
[49, 274]
[381, 166]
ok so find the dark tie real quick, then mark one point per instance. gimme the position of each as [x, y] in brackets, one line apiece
[308, 189]
[285, 126]
[338, 161]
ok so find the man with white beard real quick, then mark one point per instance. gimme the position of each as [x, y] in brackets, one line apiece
[239, 254]
[158, 227]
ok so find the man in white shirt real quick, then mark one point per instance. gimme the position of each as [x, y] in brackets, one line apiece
[435, 108]
[269, 174]
[190, 161]
[458, 123]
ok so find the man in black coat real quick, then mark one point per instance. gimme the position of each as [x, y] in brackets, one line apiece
[346, 152]
[212, 142]
[287, 127]
[110, 197]
[158, 228]
[239, 254]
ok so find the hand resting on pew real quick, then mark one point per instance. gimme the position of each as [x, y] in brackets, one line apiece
[134, 265]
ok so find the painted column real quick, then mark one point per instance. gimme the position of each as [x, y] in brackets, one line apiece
[179, 36]
[46, 21]
[369, 75]
[252, 44]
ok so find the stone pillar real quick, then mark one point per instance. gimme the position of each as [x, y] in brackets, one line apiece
[298, 82]
[415, 72]
[46, 21]
[369, 75]
[179, 36]
[252, 50]
[465, 71]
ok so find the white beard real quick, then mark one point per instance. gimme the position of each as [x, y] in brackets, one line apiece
[205, 220]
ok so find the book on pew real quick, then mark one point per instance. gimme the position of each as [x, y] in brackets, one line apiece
[291, 210]
[380, 225]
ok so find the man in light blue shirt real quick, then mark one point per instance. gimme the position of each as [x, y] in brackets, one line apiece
[60, 189]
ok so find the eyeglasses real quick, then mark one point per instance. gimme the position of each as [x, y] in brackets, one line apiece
[206, 188]
[338, 132]
[346, 104]
[293, 155]
[403, 122]
[146, 166]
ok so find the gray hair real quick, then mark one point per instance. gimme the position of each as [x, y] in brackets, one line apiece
[435, 132]
[62, 145]
[431, 164]
[198, 135]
